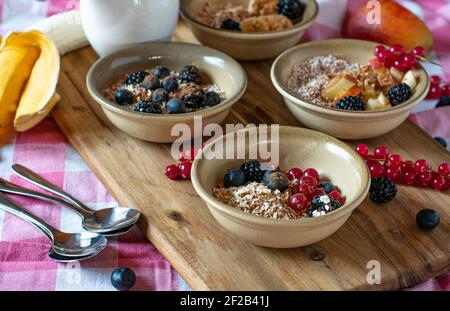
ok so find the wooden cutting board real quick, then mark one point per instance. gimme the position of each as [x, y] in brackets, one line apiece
[178, 223]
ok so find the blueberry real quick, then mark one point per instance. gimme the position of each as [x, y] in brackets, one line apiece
[124, 97]
[327, 187]
[151, 83]
[159, 96]
[123, 279]
[427, 219]
[160, 72]
[266, 175]
[442, 141]
[277, 181]
[212, 99]
[175, 105]
[234, 178]
[170, 84]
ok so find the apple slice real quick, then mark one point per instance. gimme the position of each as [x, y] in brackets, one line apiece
[337, 87]
[410, 79]
[379, 103]
[396, 74]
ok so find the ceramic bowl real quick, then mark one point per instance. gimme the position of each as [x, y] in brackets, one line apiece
[297, 148]
[342, 124]
[247, 46]
[220, 68]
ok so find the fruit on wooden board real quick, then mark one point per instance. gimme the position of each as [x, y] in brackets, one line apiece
[17, 59]
[397, 25]
[38, 97]
[29, 71]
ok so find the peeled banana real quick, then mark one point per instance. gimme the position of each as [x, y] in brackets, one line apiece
[29, 70]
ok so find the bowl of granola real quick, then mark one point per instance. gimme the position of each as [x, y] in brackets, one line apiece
[147, 89]
[303, 198]
[249, 29]
[339, 88]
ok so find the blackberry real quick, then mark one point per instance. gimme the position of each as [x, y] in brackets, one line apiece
[252, 170]
[382, 190]
[443, 101]
[147, 106]
[399, 94]
[350, 103]
[230, 24]
[136, 77]
[195, 100]
[322, 204]
[190, 73]
[292, 9]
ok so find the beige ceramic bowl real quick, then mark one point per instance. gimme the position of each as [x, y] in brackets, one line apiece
[220, 68]
[247, 46]
[342, 124]
[298, 148]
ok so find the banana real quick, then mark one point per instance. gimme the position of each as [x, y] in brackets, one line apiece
[37, 97]
[17, 59]
[65, 30]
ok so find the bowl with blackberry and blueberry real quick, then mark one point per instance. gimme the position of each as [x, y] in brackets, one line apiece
[351, 89]
[147, 89]
[249, 29]
[301, 199]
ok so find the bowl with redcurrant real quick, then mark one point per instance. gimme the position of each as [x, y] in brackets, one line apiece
[301, 199]
[351, 89]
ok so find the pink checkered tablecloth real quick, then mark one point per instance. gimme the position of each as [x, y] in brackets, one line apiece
[23, 261]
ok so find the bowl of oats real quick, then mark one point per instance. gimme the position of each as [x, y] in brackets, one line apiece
[340, 88]
[302, 198]
[147, 89]
[249, 29]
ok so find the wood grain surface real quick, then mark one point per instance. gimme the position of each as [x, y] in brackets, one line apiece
[178, 223]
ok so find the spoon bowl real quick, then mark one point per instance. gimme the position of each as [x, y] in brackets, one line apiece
[114, 218]
[78, 244]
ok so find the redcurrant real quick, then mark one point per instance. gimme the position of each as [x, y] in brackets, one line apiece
[185, 170]
[381, 152]
[313, 173]
[376, 170]
[439, 183]
[419, 51]
[172, 172]
[299, 203]
[421, 166]
[410, 177]
[362, 150]
[295, 173]
[397, 49]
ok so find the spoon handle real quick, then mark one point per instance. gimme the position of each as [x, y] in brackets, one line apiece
[8, 187]
[12, 207]
[37, 180]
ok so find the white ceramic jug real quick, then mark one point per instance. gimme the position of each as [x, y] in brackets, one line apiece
[114, 24]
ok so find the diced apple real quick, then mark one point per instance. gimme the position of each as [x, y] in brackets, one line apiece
[336, 87]
[384, 77]
[410, 79]
[375, 63]
[379, 103]
[353, 91]
[396, 74]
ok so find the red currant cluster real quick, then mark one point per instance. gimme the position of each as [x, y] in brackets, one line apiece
[383, 164]
[438, 88]
[182, 170]
[307, 188]
[397, 57]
